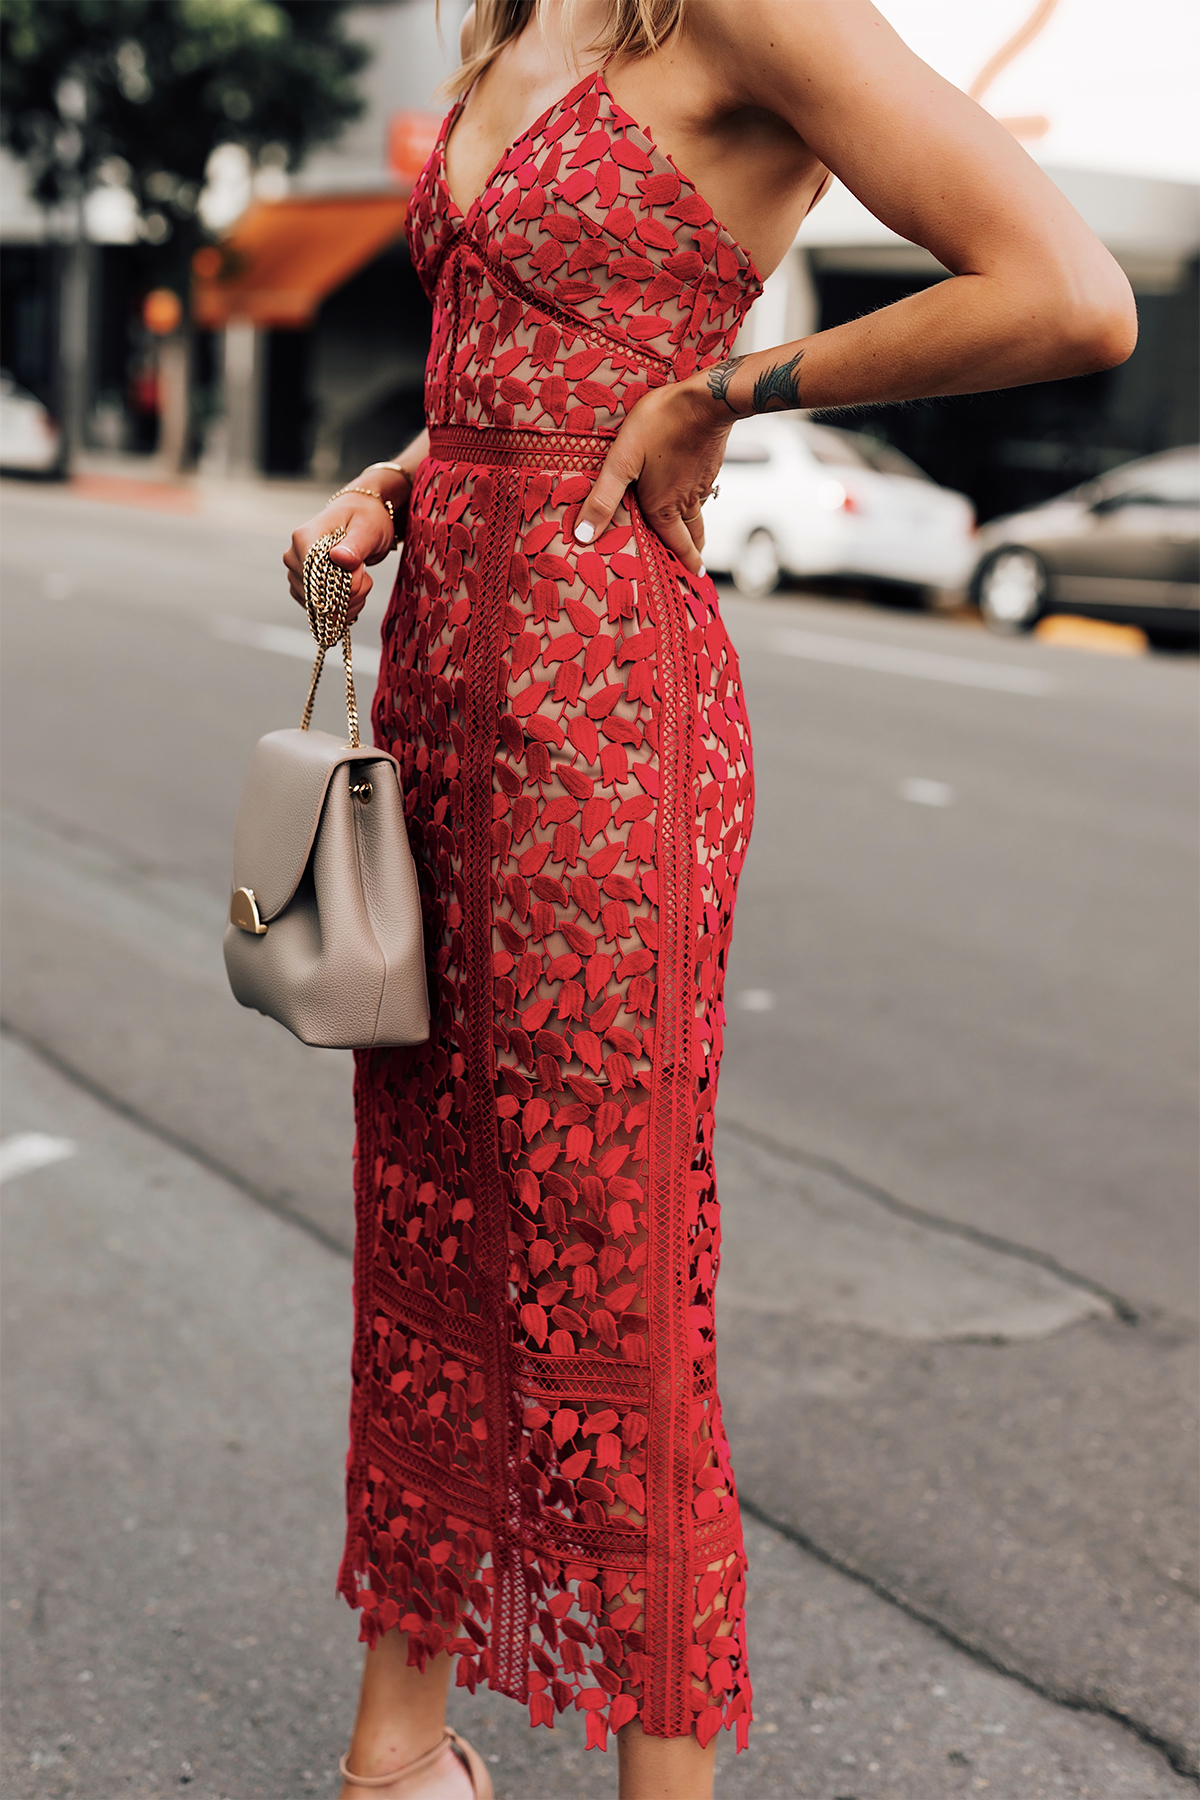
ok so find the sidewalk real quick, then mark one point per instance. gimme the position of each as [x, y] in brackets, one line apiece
[140, 482]
[176, 1402]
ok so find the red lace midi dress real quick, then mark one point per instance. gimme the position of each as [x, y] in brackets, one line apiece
[539, 1478]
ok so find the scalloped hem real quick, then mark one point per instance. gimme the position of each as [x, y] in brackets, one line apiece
[604, 1712]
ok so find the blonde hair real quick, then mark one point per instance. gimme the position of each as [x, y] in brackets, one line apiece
[634, 28]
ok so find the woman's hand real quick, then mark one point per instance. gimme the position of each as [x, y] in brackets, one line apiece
[369, 534]
[671, 446]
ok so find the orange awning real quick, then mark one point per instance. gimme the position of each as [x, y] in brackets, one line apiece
[284, 256]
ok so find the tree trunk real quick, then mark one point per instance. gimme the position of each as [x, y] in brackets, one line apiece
[174, 357]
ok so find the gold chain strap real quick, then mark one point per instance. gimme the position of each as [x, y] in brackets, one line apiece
[326, 601]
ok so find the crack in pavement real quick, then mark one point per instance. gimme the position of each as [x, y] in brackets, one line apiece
[802, 1244]
[69, 831]
[274, 1203]
[1125, 1311]
[1173, 1753]
[141, 867]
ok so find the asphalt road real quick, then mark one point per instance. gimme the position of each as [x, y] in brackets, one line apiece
[959, 1299]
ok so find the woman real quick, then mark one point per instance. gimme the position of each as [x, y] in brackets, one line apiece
[539, 1481]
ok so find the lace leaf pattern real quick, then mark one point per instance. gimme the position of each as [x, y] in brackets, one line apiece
[539, 1479]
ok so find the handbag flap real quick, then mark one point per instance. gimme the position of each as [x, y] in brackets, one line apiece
[280, 810]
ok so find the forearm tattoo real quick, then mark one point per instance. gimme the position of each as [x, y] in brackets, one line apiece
[719, 378]
[777, 389]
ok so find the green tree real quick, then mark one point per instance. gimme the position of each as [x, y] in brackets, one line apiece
[148, 89]
[160, 83]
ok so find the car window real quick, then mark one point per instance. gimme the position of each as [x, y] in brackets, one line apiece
[837, 448]
[886, 459]
[1166, 481]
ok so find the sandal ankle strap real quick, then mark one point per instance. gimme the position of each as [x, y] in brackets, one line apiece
[409, 1768]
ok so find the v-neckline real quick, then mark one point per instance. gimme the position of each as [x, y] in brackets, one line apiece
[539, 124]
[596, 78]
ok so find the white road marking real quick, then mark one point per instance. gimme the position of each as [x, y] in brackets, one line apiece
[923, 792]
[756, 1000]
[30, 1150]
[286, 640]
[923, 665]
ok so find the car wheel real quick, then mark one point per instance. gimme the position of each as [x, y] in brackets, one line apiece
[756, 568]
[1011, 590]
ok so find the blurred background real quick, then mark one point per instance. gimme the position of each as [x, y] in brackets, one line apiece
[958, 1145]
[261, 179]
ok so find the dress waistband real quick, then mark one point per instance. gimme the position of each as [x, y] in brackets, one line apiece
[513, 449]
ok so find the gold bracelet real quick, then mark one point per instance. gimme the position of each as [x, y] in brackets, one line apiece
[398, 467]
[405, 474]
[374, 494]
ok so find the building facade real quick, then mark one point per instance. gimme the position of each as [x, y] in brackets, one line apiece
[313, 328]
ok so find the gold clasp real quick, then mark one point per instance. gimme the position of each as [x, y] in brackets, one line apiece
[362, 791]
[243, 912]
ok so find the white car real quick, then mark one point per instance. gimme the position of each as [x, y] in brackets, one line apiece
[799, 498]
[29, 439]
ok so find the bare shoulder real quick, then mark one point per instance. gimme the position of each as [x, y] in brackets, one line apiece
[892, 129]
[766, 48]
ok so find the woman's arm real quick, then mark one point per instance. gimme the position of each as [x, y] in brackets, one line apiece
[368, 527]
[1032, 296]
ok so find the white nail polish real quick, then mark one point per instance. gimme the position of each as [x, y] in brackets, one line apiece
[703, 571]
[584, 532]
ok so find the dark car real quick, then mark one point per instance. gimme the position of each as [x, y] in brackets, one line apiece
[1125, 547]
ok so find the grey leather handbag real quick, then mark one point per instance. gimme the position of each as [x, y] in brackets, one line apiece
[324, 928]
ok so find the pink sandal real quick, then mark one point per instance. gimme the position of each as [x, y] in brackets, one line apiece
[472, 1762]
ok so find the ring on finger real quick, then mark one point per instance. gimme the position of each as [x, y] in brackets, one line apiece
[712, 493]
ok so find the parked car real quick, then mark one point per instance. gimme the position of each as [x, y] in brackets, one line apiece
[800, 498]
[30, 441]
[1125, 547]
